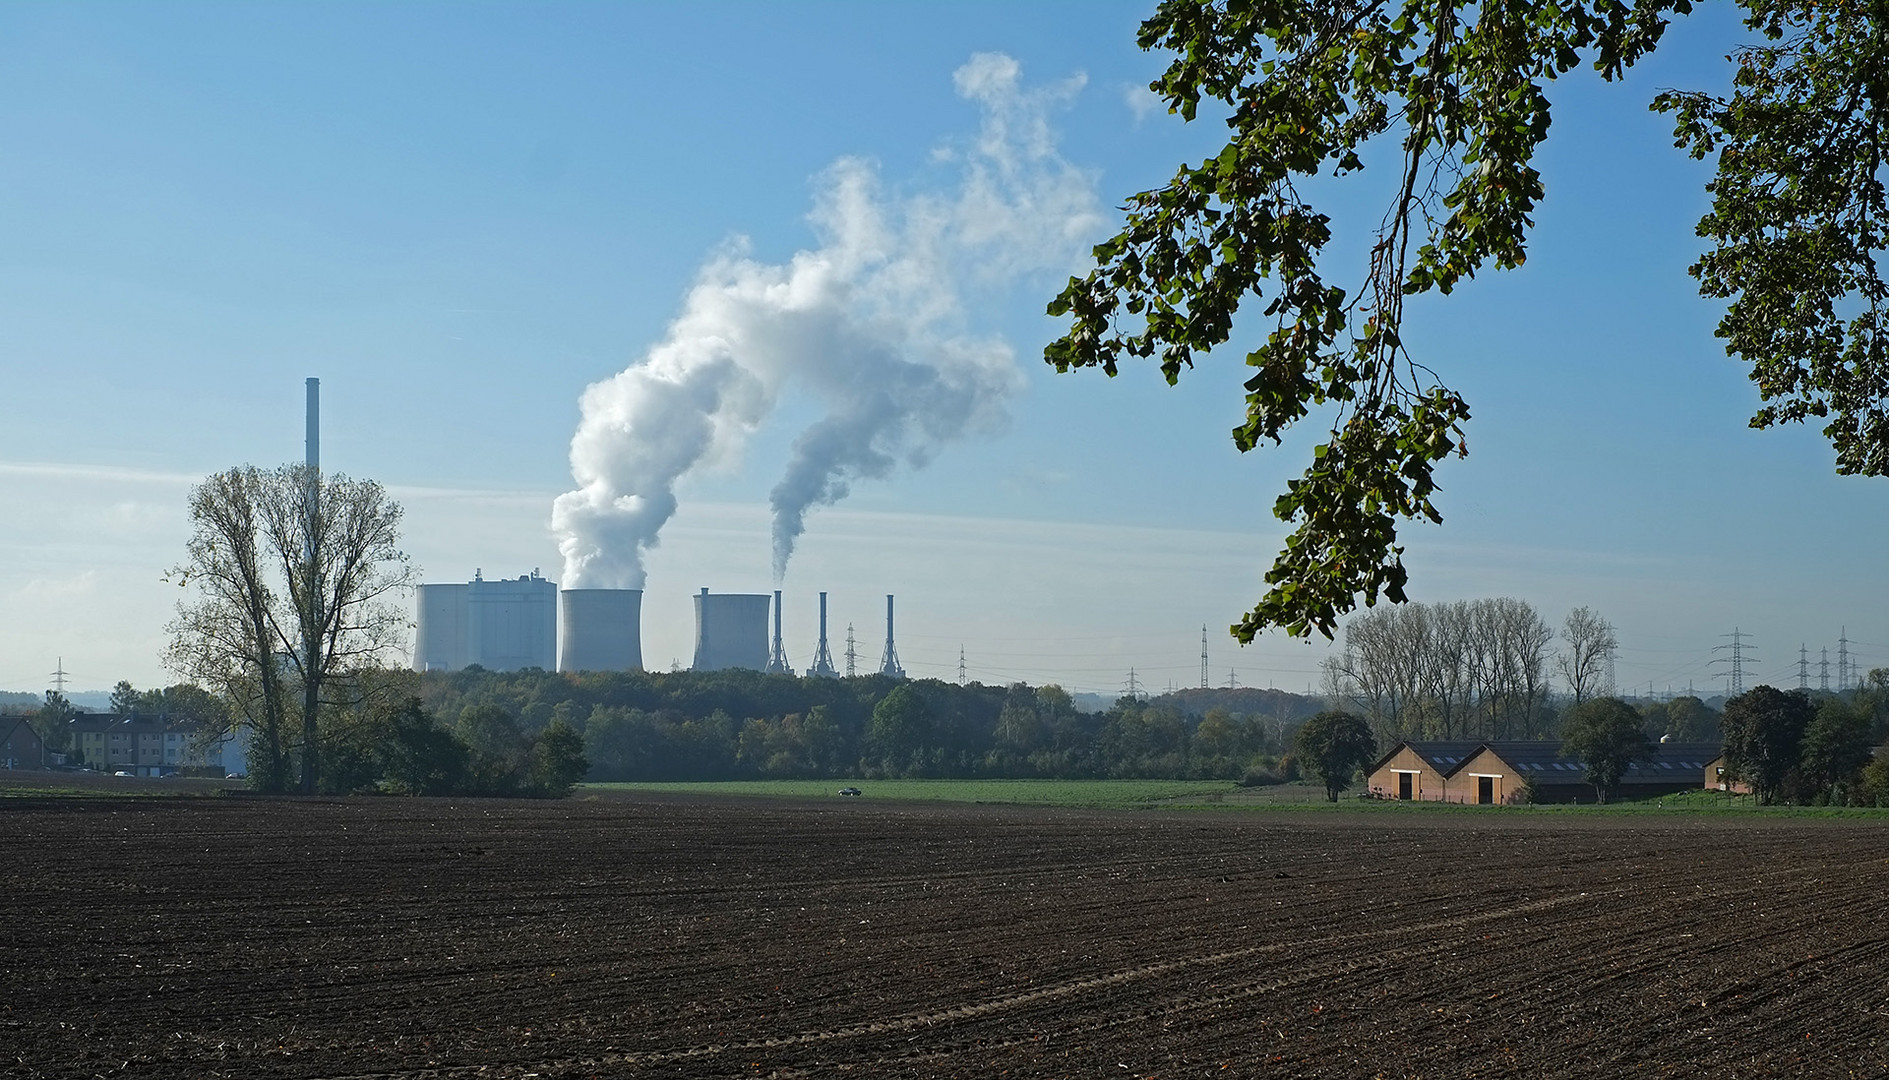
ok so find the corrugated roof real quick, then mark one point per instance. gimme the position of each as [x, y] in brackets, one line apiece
[1542, 758]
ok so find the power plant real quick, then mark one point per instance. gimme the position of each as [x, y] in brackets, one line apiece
[509, 624]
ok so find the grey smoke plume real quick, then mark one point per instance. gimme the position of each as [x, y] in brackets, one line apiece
[871, 323]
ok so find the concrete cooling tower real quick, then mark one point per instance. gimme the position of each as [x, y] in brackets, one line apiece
[731, 631]
[440, 638]
[600, 630]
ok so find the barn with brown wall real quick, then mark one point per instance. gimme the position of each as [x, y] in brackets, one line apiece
[1417, 770]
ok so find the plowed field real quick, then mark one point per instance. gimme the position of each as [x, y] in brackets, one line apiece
[700, 937]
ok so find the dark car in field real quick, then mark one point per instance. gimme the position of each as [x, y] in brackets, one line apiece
[851, 791]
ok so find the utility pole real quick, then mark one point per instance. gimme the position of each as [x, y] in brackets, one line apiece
[1203, 656]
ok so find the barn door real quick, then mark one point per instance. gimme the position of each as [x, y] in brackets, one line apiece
[1485, 790]
[1404, 785]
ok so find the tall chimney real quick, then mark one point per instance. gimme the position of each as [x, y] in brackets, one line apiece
[313, 447]
[777, 656]
[889, 663]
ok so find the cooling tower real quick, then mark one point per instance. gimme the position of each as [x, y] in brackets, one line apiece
[731, 631]
[601, 630]
[512, 623]
[439, 642]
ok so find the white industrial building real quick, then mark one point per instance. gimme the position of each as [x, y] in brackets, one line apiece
[502, 625]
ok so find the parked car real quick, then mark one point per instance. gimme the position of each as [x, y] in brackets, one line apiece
[851, 791]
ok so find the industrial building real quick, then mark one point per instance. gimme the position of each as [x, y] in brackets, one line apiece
[502, 625]
[730, 631]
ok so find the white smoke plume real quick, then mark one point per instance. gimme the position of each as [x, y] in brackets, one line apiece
[871, 323]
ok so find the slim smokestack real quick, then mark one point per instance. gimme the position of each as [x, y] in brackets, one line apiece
[889, 664]
[777, 658]
[822, 658]
[313, 447]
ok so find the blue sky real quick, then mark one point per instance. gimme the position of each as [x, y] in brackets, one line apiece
[460, 216]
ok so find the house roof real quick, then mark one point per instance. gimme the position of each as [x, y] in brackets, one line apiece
[1540, 760]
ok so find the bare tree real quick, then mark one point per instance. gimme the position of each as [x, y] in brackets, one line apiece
[296, 572]
[225, 635]
[1591, 647]
[1446, 670]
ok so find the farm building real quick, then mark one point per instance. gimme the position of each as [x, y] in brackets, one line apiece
[1416, 770]
[1716, 778]
[1496, 773]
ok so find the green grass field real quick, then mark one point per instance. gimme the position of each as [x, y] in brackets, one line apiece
[1199, 794]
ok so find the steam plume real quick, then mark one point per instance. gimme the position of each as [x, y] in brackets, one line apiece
[870, 323]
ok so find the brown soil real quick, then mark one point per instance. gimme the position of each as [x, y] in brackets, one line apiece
[701, 937]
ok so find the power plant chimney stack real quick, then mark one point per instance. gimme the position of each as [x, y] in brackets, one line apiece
[822, 659]
[889, 664]
[777, 657]
[314, 424]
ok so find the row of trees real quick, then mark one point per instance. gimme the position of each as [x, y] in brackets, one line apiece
[736, 724]
[1465, 669]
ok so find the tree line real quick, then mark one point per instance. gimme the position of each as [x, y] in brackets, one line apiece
[736, 724]
[1467, 669]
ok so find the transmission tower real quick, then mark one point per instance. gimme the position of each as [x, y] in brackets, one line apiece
[1843, 661]
[1735, 677]
[1233, 679]
[1203, 656]
[59, 676]
[1803, 667]
[1133, 686]
[1823, 671]
[852, 653]
[961, 677]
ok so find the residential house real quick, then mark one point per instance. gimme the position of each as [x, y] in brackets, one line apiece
[20, 746]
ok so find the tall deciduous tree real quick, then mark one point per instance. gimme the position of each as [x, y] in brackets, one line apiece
[1592, 644]
[1605, 736]
[1334, 745]
[294, 576]
[53, 722]
[1764, 737]
[1458, 90]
